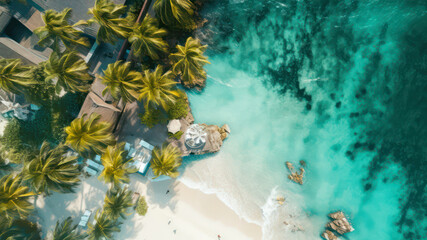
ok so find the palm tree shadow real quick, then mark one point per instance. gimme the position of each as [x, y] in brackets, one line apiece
[162, 193]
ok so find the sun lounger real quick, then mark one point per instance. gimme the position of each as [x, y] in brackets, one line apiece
[146, 145]
[98, 158]
[89, 170]
[131, 152]
[127, 146]
[95, 165]
[85, 218]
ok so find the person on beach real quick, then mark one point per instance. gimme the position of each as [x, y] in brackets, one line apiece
[167, 191]
[219, 237]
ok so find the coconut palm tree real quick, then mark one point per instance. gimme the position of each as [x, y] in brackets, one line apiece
[14, 198]
[158, 89]
[52, 170]
[121, 81]
[19, 229]
[117, 202]
[88, 136]
[57, 29]
[189, 61]
[104, 227]
[107, 15]
[69, 71]
[147, 39]
[176, 13]
[14, 77]
[166, 160]
[117, 166]
[67, 231]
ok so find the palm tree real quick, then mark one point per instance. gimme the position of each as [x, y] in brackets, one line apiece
[158, 89]
[117, 166]
[14, 198]
[19, 229]
[67, 231]
[166, 160]
[107, 15]
[70, 72]
[189, 61]
[117, 202]
[147, 39]
[58, 29]
[104, 227]
[52, 170]
[121, 81]
[14, 77]
[91, 135]
[176, 13]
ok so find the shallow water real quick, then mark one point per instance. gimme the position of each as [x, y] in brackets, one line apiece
[338, 84]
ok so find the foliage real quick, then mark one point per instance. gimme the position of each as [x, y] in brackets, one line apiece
[176, 13]
[117, 202]
[151, 117]
[12, 144]
[147, 39]
[179, 109]
[69, 71]
[104, 227]
[14, 198]
[14, 77]
[189, 62]
[57, 29]
[40, 94]
[117, 166]
[88, 136]
[108, 15]
[166, 160]
[52, 170]
[18, 229]
[176, 135]
[67, 231]
[121, 81]
[158, 89]
[141, 206]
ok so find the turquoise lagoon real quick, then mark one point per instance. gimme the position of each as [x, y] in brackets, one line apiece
[339, 84]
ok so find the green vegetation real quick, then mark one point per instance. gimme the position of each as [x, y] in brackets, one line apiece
[176, 13]
[14, 198]
[166, 161]
[67, 231]
[158, 89]
[117, 166]
[147, 39]
[104, 227]
[43, 92]
[121, 81]
[70, 72]
[107, 15]
[57, 29]
[117, 203]
[151, 117]
[15, 77]
[141, 206]
[189, 62]
[19, 229]
[50, 170]
[179, 109]
[176, 135]
[89, 136]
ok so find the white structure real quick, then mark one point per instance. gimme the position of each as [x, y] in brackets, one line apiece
[195, 136]
[174, 126]
[12, 105]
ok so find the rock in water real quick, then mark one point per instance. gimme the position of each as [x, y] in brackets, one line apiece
[340, 223]
[295, 176]
[328, 235]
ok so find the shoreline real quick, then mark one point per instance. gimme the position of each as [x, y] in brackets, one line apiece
[193, 214]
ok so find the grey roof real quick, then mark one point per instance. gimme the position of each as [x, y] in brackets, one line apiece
[94, 104]
[4, 18]
[11, 49]
[80, 9]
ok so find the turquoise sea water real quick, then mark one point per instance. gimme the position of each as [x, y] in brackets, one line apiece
[339, 84]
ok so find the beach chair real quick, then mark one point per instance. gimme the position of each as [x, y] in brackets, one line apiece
[98, 158]
[89, 171]
[85, 218]
[146, 145]
[131, 152]
[94, 165]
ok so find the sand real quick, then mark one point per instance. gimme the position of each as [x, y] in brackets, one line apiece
[192, 214]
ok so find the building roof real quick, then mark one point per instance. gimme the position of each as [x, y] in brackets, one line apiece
[80, 9]
[11, 49]
[10, 97]
[5, 17]
[94, 104]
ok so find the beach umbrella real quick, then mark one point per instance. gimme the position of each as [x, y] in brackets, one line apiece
[174, 126]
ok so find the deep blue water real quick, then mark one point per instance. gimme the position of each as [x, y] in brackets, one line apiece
[339, 84]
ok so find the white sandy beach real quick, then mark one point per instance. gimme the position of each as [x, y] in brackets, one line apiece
[192, 214]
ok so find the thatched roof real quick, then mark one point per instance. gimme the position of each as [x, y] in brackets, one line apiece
[94, 104]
